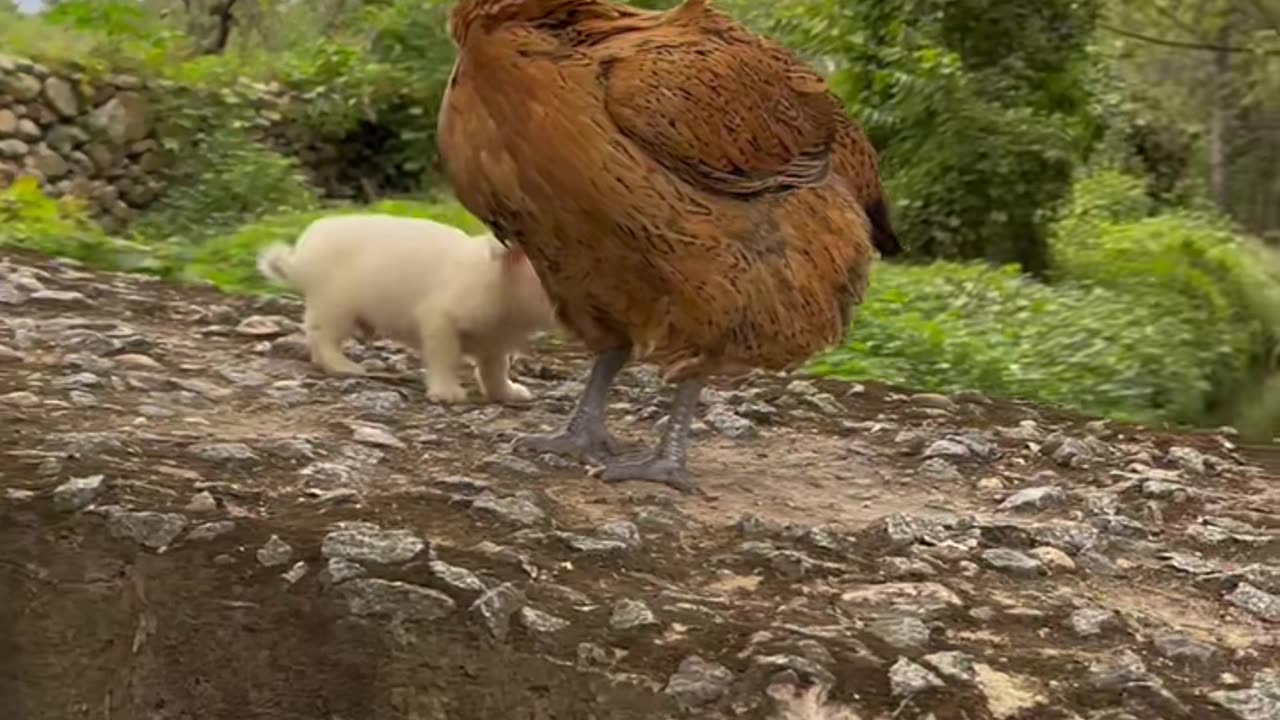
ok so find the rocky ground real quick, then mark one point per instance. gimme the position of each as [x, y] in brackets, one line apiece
[194, 524]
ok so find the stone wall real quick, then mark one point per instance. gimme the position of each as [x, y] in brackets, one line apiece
[97, 138]
[93, 139]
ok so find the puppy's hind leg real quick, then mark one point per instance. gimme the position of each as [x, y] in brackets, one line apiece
[442, 352]
[326, 331]
[492, 372]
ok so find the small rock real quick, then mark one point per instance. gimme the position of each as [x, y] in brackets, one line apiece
[729, 424]
[378, 546]
[508, 465]
[1261, 702]
[341, 569]
[376, 597]
[947, 449]
[1093, 622]
[1034, 498]
[379, 437]
[496, 607]
[458, 578]
[1116, 670]
[1188, 459]
[295, 573]
[907, 678]
[222, 452]
[266, 325]
[905, 634]
[378, 401]
[1256, 601]
[623, 531]
[210, 530]
[77, 493]
[1053, 559]
[20, 399]
[935, 401]
[953, 665]
[64, 296]
[62, 97]
[539, 622]
[9, 355]
[926, 599]
[591, 655]
[1185, 649]
[1012, 562]
[630, 614]
[698, 683]
[201, 503]
[518, 510]
[150, 529]
[19, 495]
[136, 362]
[274, 552]
[938, 470]
[592, 545]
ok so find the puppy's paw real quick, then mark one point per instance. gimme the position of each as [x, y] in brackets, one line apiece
[514, 392]
[447, 394]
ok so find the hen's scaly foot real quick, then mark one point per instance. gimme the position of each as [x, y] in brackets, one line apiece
[650, 468]
[581, 445]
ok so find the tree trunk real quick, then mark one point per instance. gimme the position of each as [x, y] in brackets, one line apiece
[1220, 123]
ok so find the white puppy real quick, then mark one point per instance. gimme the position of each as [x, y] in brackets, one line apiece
[424, 284]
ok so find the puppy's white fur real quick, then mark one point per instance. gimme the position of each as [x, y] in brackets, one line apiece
[424, 284]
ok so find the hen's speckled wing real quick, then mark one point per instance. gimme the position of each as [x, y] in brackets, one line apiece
[723, 112]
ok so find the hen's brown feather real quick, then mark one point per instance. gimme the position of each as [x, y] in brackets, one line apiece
[680, 185]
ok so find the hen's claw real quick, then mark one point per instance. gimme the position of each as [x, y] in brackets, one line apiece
[650, 468]
[582, 445]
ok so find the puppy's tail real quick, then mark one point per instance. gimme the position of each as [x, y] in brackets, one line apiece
[275, 262]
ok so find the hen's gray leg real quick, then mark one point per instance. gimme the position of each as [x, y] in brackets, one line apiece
[666, 464]
[585, 437]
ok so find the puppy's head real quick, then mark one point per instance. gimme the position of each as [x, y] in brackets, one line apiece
[524, 288]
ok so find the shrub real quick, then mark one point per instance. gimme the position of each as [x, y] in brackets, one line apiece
[1189, 266]
[952, 326]
[30, 219]
[222, 177]
[1166, 317]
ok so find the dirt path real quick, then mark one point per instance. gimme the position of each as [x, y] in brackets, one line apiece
[194, 524]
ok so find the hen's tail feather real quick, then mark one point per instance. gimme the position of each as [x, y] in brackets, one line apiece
[882, 235]
[275, 262]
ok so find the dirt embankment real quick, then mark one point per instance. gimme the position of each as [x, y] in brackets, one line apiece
[194, 524]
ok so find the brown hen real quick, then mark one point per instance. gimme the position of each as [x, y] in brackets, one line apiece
[690, 193]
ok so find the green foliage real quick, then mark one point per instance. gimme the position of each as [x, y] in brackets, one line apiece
[94, 35]
[221, 176]
[31, 220]
[980, 110]
[230, 261]
[1156, 317]
[950, 327]
[1187, 266]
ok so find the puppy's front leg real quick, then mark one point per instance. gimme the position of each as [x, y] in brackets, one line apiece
[492, 372]
[442, 351]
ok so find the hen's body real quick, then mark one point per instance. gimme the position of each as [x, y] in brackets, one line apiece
[690, 194]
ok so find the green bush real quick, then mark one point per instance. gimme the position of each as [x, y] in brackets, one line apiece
[30, 219]
[953, 326]
[1168, 317]
[221, 177]
[1220, 286]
